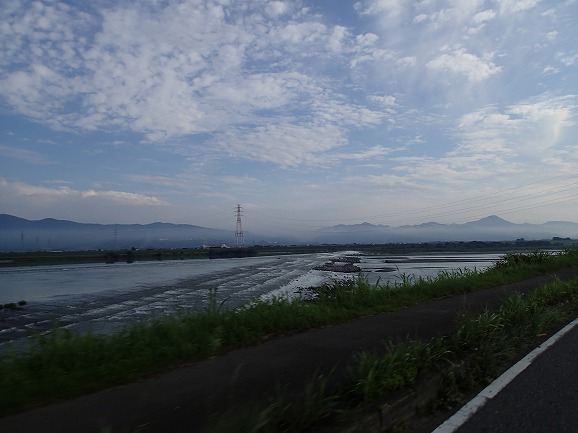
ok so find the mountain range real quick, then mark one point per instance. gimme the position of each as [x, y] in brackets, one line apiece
[19, 234]
[491, 228]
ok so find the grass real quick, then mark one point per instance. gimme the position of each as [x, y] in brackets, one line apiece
[478, 349]
[490, 337]
[62, 364]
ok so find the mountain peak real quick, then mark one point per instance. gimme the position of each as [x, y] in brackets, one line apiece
[492, 220]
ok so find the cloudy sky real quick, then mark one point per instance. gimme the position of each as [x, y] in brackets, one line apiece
[307, 113]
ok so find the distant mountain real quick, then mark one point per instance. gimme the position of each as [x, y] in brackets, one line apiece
[19, 234]
[491, 228]
[490, 221]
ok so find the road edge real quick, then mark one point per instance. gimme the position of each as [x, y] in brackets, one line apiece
[493, 389]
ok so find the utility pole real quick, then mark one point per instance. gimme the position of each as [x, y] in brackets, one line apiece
[240, 242]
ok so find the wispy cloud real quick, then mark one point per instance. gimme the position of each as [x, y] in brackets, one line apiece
[530, 127]
[284, 144]
[459, 61]
[55, 194]
[24, 155]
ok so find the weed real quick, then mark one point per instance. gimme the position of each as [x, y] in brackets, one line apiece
[374, 375]
[213, 305]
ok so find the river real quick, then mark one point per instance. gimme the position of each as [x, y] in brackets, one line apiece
[102, 298]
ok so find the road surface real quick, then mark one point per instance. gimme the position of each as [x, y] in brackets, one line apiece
[538, 397]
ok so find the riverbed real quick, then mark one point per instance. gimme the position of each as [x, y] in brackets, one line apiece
[102, 298]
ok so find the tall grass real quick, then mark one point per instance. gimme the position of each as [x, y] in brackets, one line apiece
[374, 375]
[63, 363]
[493, 336]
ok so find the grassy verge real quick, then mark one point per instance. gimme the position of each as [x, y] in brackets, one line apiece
[62, 364]
[479, 348]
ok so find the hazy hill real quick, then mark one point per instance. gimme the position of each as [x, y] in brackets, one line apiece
[492, 228]
[19, 234]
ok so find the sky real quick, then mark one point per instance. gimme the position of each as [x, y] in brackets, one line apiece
[306, 113]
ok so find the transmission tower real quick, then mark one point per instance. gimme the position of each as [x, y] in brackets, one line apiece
[239, 230]
[115, 245]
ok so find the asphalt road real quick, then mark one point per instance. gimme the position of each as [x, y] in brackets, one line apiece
[542, 398]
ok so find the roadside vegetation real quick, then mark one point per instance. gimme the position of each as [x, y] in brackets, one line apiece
[62, 364]
[479, 348]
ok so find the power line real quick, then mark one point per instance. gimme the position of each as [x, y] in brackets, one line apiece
[479, 207]
[464, 206]
[542, 204]
[483, 198]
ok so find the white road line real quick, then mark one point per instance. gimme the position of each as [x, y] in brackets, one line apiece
[462, 415]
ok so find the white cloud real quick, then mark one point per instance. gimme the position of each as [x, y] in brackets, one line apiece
[338, 38]
[408, 61]
[514, 6]
[276, 8]
[170, 70]
[261, 91]
[390, 8]
[43, 194]
[124, 197]
[550, 70]
[340, 113]
[449, 15]
[373, 153]
[529, 128]
[386, 100]
[456, 170]
[551, 35]
[459, 61]
[567, 58]
[484, 16]
[420, 18]
[286, 145]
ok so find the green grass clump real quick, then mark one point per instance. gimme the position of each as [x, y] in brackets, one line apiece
[63, 363]
[374, 375]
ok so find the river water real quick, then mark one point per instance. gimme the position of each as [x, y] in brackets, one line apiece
[103, 298]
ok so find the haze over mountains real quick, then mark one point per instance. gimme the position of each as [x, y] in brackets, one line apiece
[491, 228]
[19, 234]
